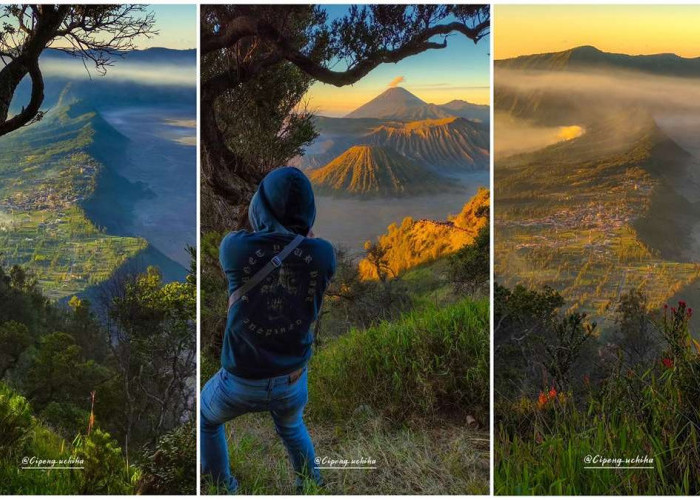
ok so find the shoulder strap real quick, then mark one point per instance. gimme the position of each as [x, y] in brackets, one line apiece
[273, 264]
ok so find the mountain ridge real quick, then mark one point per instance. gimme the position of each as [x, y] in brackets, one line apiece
[587, 56]
[370, 170]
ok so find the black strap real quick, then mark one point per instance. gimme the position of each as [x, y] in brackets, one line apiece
[273, 264]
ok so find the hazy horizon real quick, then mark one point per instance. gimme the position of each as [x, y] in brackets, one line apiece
[665, 28]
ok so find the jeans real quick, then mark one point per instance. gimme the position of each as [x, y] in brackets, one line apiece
[227, 396]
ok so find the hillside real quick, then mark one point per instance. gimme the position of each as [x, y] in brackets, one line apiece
[598, 215]
[369, 171]
[447, 143]
[416, 242]
[452, 136]
[47, 170]
[452, 143]
[464, 109]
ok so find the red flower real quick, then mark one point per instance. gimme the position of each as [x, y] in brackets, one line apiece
[665, 306]
[586, 379]
[668, 363]
[690, 312]
[552, 393]
[681, 303]
[542, 400]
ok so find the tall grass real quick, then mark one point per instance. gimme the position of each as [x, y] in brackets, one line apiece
[429, 363]
[399, 393]
[22, 437]
[546, 446]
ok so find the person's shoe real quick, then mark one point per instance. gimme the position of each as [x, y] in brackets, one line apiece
[231, 486]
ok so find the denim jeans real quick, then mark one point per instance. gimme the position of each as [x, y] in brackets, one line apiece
[227, 396]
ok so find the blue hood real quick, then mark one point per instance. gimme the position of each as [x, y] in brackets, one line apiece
[283, 203]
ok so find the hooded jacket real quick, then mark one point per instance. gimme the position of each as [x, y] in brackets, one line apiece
[268, 332]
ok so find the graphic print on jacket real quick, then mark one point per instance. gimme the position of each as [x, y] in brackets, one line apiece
[268, 332]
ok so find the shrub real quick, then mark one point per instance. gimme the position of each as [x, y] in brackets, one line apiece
[638, 410]
[171, 466]
[106, 472]
[15, 420]
[469, 267]
[67, 419]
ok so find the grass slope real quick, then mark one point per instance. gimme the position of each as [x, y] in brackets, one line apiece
[399, 393]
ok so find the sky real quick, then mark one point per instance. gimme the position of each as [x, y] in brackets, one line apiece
[460, 71]
[627, 29]
[177, 26]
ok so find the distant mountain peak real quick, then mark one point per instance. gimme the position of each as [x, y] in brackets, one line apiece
[400, 92]
[389, 104]
[397, 103]
[587, 49]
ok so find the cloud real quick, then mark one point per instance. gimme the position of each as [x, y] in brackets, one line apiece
[396, 81]
[157, 74]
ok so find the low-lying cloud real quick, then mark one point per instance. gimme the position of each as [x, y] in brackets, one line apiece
[513, 136]
[156, 74]
[625, 87]
[673, 102]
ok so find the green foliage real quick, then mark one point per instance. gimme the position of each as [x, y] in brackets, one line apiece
[68, 359]
[59, 372]
[431, 362]
[105, 472]
[15, 420]
[644, 406]
[155, 351]
[470, 267]
[65, 418]
[352, 302]
[14, 340]
[170, 468]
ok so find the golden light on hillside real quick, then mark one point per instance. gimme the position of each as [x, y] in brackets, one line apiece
[417, 242]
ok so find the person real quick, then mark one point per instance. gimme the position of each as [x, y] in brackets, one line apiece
[268, 338]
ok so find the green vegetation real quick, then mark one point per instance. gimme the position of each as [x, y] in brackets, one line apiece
[640, 402]
[107, 398]
[400, 374]
[47, 170]
[592, 237]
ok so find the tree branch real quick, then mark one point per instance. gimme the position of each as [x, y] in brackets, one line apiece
[31, 111]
